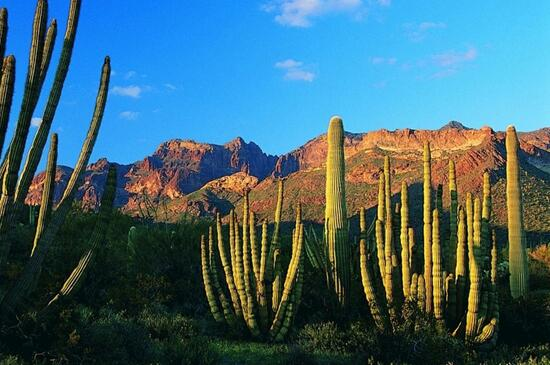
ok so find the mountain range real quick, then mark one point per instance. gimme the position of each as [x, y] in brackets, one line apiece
[188, 177]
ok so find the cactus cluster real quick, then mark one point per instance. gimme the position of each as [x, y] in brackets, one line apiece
[458, 286]
[16, 179]
[256, 294]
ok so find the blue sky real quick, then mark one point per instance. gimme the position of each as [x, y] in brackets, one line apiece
[275, 71]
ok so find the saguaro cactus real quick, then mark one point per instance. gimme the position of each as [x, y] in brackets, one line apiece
[519, 275]
[336, 221]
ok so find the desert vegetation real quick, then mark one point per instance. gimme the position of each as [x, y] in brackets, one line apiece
[79, 285]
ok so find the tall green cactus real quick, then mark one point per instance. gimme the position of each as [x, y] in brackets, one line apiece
[474, 296]
[427, 226]
[519, 274]
[453, 225]
[336, 220]
[16, 181]
[405, 250]
[437, 270]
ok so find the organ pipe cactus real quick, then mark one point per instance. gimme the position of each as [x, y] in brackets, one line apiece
[249, 304]
[453, 225]
[464, 298]
[16, 179]
[427, 217]
[519, 275]
[336, 220]
[405, 250]
[437, 271]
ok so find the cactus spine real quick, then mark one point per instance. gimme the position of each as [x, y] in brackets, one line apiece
[427, 227]
[336, 221]
[519, 275]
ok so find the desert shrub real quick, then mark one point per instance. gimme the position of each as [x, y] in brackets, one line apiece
[11, 360]
[328, 337]
[526, 321]
[539, 268]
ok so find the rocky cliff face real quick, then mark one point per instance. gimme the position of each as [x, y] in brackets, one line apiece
[184, 176]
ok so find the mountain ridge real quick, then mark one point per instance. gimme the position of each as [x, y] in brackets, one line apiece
[185, 176]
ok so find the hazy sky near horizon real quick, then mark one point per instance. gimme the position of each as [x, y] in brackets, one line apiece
[275, 71]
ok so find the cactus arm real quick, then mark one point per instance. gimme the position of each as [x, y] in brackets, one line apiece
[379, 233]
[263, 310]
[413, 293]
[453, 225]
[376, 308]
[208, 288]
[47, 192]
[461, 262]
[474, 296]
[412, 250]
[3, 31]
[437, 271]
[254, 248]
[49, 43]
[77, 276]
[17, 145]
[274, 272]
[228, 313]
[485, 222]
[248, 273]
[450, 300]
[290, 281]
[6, 96]
[89, 142]
[405, 252]
[227, 270]
[39, 141]
[427, 216]
[239, 267]
[421, 301]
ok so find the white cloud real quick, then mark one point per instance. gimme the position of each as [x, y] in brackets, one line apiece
[450, 62]
[36, 121]
[130, 74]
[290, 63]
[383, 60]
[453, 58]
[416, 32]
[299, 13]
[129, 115]
[131, 91]
[170, 86]
[295, 70]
